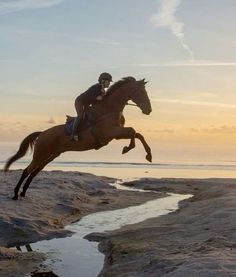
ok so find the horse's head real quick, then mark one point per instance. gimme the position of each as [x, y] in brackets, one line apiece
[139, 96]
[129, 89]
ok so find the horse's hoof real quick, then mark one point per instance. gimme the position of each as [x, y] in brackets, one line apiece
[125, 150]
[22, 194]
[15, 197]
[149, 157]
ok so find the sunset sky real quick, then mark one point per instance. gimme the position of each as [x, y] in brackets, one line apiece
[52, 50]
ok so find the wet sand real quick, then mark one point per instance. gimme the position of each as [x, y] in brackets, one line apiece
[54, 199]
[199, 239]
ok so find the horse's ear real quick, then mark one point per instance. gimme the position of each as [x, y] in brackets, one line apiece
[144, 82]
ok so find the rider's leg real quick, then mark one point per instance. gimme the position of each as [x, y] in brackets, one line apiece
[79, 109]
[75, 130]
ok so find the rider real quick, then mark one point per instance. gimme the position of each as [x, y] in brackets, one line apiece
[93, 94]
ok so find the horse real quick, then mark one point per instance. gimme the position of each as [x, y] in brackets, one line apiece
[107, 125]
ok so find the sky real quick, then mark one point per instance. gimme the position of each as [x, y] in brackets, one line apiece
[53, 50]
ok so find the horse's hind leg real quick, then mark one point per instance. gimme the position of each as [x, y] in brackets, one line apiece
[36, 171]
[28, 181]
[22, 178]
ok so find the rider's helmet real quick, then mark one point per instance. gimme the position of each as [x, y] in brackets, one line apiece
[105, 76]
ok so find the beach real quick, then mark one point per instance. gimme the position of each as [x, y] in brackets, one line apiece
[55, 199]
[196, 240]
[199, 239]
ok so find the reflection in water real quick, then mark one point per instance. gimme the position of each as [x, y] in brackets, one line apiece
[44, 274]
[76, 256]
[27, 246]
[37, 273]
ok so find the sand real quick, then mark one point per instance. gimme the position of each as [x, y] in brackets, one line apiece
[199, 239]
[54, 199]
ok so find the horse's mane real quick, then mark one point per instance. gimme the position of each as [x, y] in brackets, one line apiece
[119, 83]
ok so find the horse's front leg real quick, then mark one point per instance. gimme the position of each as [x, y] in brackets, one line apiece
[146, 146]
[126, 133]
[144, 143]
[130, 146]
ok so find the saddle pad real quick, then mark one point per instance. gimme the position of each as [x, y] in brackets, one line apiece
[70, 122]
[69, 127]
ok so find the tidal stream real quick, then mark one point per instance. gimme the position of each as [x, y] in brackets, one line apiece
[75, 256]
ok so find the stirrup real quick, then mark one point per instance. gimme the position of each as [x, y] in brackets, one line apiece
[75, 138]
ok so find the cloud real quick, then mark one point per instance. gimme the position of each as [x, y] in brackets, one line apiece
[223, 129]
[168, 131]
[19, 5]
[166, 17]
[196, 103]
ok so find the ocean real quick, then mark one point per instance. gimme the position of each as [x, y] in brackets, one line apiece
[73, 161]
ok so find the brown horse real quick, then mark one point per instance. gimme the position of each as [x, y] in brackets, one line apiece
[108, 125]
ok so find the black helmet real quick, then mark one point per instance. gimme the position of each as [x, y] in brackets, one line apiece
[105, 76]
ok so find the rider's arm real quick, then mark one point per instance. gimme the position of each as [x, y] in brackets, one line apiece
[92, 94]
[102, 94]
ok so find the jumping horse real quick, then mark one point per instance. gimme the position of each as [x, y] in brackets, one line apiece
[108, 125]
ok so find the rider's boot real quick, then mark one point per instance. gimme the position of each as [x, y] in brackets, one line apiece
[75, 130]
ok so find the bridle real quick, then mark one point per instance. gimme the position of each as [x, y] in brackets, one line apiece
[133, 104]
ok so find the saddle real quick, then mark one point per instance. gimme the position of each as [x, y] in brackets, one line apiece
[87, 122]
[70, 118]
[69, 124]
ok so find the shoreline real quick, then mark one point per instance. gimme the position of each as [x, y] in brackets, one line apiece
[196, 239]
[54, 200]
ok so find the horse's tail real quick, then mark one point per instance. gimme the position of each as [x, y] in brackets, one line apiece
[28, 141]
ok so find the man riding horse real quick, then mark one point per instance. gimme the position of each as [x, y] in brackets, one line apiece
[93, 94]
[51, 143]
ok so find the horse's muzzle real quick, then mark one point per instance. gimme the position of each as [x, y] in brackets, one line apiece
[147, 111]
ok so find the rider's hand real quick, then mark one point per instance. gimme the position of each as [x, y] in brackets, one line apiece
[99, 97]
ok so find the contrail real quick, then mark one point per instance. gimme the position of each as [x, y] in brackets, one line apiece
[19, 5]
[166, 17]
[192, 63]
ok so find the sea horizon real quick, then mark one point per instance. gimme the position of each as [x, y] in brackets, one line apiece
[129, 167]
[132, 170]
